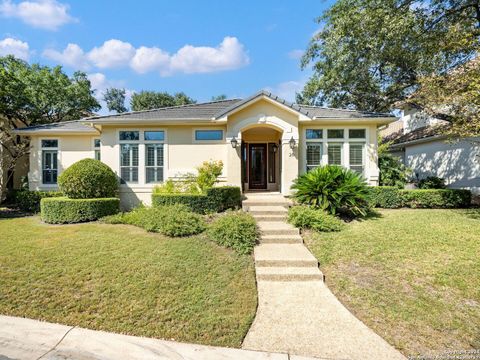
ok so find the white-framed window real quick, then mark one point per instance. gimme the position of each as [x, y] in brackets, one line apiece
[49, 161]
[314, 148]
[96, 149]
[154, 156]
[129, 155]
[336, 146]
[335, 150]
[208, 134]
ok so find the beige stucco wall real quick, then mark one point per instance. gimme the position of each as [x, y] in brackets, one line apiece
[71, 148]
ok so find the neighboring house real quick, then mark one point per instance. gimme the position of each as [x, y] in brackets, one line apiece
[417, 140]
[263, 141]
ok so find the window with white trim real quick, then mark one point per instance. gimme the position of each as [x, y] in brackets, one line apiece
[357, 154]
[49, 161]
[154, 163]
[96, 148]
[208, 135]
[129, 155]
[314, 151]
[335, 153]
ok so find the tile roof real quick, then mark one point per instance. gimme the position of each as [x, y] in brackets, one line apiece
[60, 127]
[421, 133]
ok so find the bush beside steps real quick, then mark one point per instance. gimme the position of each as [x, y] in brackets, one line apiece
[62, 210]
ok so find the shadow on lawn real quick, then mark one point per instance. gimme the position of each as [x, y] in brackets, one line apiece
[11, 213]
[472, 213]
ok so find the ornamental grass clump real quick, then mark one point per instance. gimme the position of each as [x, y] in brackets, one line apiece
[306, 217]
[334, 189]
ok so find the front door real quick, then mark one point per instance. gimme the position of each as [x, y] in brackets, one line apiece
[257, 166]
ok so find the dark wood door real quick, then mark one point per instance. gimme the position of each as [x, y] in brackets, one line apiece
[257, 166]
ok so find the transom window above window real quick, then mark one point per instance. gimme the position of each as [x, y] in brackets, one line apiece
[356, 133]
[335, 133]
[314, 134]
[208, 135]
[154, 135]
[96, 143]
[49, 143]
[129, 135]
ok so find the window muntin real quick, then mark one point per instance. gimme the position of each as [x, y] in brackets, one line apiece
[154, 135]
[335, 133]
[314, 155]
[129, 135]
[96, 146]
[314, 134]
[153, 163]
[49, 143]
[129, 163]
[356, 133]
[49, 166]
[357, 157]
[208, 135]
[335, 153]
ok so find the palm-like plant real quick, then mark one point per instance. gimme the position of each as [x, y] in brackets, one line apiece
[333, 189]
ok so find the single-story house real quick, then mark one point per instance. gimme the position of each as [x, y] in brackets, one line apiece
[418, 141]
[263, 141]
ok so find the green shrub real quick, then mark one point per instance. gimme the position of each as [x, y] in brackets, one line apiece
[391, 197]
[186, 186]
[29, 201]
[236, 230]
[208, 174]
[386, 197]
[306, 217]
[173, 220]
[216, 199]
[88, 179]
[333, 189]
[225, 197]
[436, 198]
[431, 182]
[62, 210]
[392, 171]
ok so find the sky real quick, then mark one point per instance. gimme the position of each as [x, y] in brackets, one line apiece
[203, 48]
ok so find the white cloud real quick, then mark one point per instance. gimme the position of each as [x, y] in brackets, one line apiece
[287, 90]
[113, 53]
[18, 48]
[72, 56]
[295, 54]
[228, 55]
[44, 14]
[150, 59]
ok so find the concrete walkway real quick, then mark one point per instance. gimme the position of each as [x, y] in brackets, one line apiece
[296, 312]
[26, 339]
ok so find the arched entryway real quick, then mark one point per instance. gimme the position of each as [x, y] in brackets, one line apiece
[261, 158]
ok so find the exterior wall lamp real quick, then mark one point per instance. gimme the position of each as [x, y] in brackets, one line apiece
[275, 148]
[292, 143]
[234, 142]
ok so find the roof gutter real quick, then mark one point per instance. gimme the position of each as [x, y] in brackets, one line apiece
[418, 141]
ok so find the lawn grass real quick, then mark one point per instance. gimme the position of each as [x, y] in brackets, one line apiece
[120, 278]
[413, 276]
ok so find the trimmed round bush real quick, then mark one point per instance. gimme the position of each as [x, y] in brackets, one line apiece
[62, 210]
[87, 179]
[236, 230]
[333, 189]
[305, 217]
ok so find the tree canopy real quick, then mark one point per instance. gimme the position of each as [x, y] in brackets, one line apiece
[147, 100]
[369, 54]
[115, 99]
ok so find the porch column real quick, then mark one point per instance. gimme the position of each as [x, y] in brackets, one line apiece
[289, 170]
[234, 163]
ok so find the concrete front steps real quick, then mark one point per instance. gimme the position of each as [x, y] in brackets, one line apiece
[281, 254]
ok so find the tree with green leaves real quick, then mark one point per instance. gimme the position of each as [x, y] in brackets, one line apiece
[369, 54]
[115, 99]
[147, 100]
[33, 95]
[219, 97]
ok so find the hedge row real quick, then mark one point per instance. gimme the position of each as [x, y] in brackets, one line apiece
[390, 197]
[216, 199]
[29, 201]
[62, 210]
